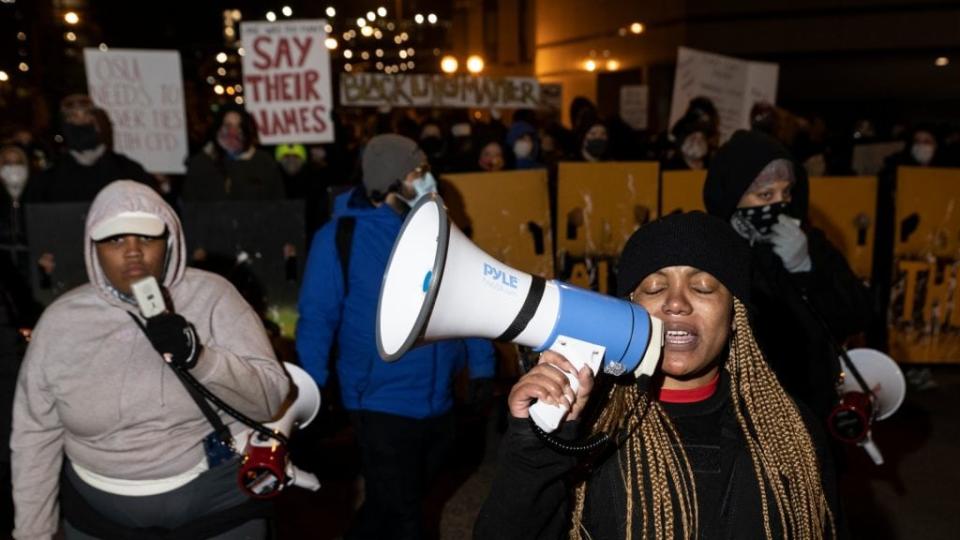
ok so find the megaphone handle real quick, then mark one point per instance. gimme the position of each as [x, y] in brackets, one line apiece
[579, 353]
[302, 478]
[872, 450]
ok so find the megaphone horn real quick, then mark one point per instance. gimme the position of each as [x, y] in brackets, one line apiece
[439, 285]
[266, 467]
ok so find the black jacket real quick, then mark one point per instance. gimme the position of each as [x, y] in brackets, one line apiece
[69, 181]
[798, 318]
[532, 496]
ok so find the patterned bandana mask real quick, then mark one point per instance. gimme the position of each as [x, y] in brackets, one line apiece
[755, 222]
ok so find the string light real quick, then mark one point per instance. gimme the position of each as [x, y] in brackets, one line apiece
[241, 51]
[222, 57]
[331, 43]
[21, 36]
[449, 64]
[613, 65]
[271, 16]
[403, 53]
[218, 90]
[941, 61]
[70, 36]
[24, 67]
[287, 11]
[361, 22]
[377, 34]
[379, 53]
[432, 19]
[371, 16]
[331, 11]
[636, 28]
[238, 100]
[418, 18]
[348, 67]
[328, 28]
[411, 52]
[4, 77]
[475, 64]
[348, 54]
[367, 31]
[221, 71]
[103, 47]
[365, 55]
[71, 17]
[211, 80]
[382, 11]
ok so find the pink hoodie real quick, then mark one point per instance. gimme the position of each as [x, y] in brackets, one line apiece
[94, 389]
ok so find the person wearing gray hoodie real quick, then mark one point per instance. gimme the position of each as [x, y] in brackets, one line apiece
[95, 399]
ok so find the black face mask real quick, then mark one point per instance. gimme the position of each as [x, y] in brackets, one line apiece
[762, 217]
[596, 147]
[81, 137]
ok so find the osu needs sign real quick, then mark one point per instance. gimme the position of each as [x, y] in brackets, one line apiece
[286, 80]
[142, 93]
[464, 91]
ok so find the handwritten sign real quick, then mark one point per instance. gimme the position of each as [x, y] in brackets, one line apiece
[286, 80]
[142, 92]
[421, 90]
[732, 84]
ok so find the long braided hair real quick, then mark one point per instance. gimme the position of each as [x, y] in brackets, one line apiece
[658, 476]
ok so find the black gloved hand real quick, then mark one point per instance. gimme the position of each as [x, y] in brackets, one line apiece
[175, 339]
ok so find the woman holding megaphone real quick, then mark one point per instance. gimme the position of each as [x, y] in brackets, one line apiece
[712, 448]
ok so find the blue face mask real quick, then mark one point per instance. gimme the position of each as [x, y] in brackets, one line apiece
[424, 185]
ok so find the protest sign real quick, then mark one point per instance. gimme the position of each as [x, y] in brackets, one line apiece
[423, 90]
[286, 80]
[142, 92]
[734, 86]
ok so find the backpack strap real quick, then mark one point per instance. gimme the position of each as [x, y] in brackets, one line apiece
[344, 240]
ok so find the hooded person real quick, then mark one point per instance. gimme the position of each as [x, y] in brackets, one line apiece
[594, 142]
[710, 447]
[88, 163]
[523, 142]
[95, 397]
[401, 411]
[14, 175]
[807, 298]
[692, 150]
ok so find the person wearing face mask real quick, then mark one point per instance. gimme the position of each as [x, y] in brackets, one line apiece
[88, 163]
[230, 167]
[806, 296]
[692, 149]
[434, 145]
[401, 411]
[523, 141]
[595, 143]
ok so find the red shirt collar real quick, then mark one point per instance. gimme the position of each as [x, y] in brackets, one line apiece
[689, 395]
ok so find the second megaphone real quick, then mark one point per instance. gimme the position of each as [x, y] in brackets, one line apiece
[439, 285]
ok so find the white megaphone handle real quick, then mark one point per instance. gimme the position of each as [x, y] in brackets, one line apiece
[579, 353]
[871, 448]
[301, 478]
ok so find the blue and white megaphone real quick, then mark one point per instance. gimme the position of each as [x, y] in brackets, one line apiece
[439, 285]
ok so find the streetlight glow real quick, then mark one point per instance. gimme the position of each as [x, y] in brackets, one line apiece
[449, 64]
[475, 64]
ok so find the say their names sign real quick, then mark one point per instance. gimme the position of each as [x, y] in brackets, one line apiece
[142, 93]
[286, 80]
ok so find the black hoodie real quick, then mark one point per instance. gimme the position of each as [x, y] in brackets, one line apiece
[792, 312]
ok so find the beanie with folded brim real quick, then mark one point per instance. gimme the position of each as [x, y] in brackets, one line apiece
[693, 239]
[387, 159]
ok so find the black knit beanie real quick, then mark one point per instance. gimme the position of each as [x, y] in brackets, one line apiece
[735, 166]
[692, 239]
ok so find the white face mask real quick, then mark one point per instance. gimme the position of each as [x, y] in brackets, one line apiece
[423, 186]
[694, 148]
[522, 148]
[923, 152]
[14, 179]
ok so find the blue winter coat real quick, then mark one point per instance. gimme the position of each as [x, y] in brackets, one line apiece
[419, 384]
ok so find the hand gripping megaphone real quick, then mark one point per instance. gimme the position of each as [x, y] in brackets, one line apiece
[266, 467]
[439, 285]
[873, 388]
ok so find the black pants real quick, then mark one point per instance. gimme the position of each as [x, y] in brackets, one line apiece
[400, 458]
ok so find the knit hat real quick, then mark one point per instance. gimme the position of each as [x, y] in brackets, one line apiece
[388, 159]
[284, 150]
[692, 239]
[737, 164]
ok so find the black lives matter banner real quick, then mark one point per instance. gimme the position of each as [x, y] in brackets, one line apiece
[286, 79]
[422, 90]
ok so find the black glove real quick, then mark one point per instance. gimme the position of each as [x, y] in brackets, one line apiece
[175, 339]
